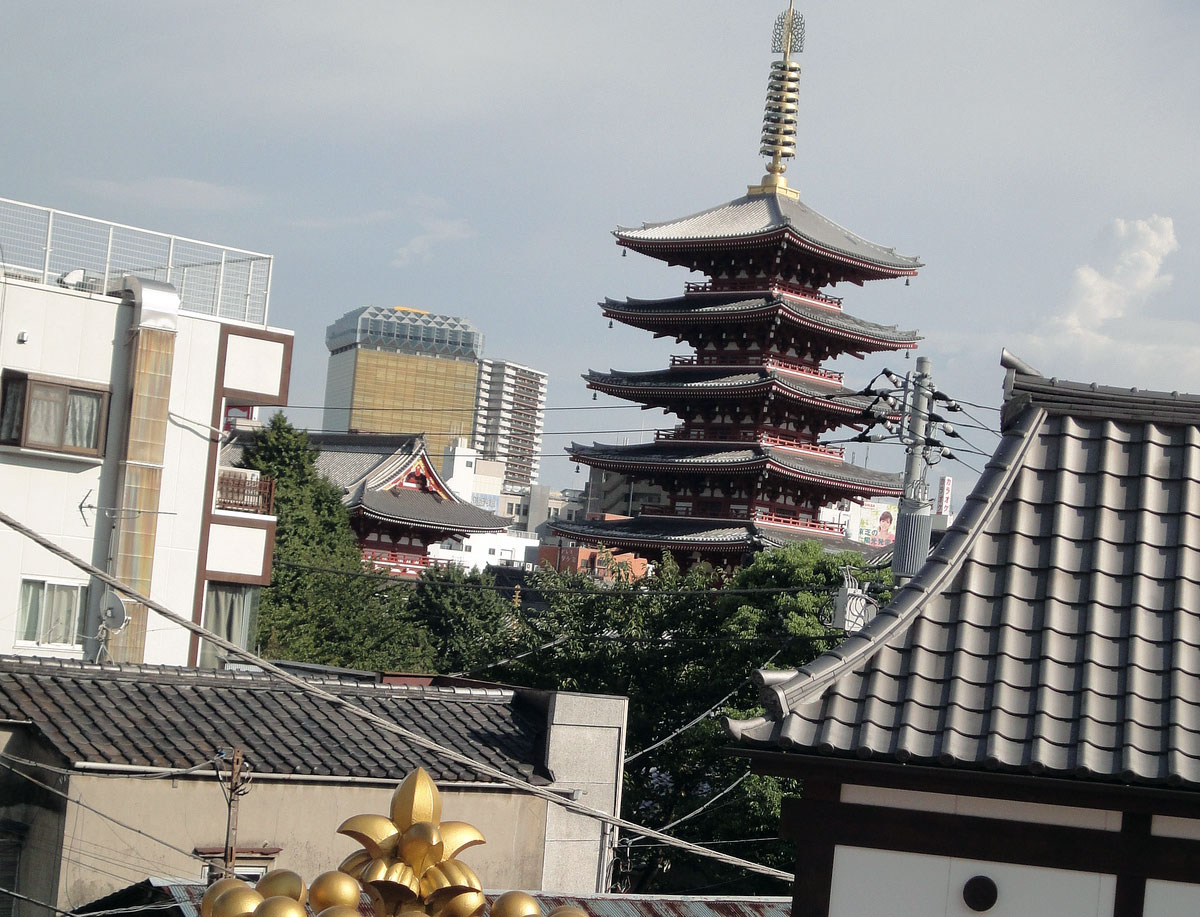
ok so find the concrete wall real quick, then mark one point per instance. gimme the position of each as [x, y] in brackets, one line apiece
[301, 818]
[586, 748]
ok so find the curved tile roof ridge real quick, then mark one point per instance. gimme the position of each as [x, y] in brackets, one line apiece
[892, 622]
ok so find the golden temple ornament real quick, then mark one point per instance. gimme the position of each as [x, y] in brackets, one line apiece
[408, 867]
[783, 95]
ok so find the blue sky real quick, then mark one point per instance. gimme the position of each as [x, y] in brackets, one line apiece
[473, 158]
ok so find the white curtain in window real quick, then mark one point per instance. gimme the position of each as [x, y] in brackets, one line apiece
[47, 404]
[83, 420]
[49, 613]
[59, 613]
[31, 611]
[230, 611]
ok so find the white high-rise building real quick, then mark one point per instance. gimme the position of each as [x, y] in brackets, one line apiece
[509, 417]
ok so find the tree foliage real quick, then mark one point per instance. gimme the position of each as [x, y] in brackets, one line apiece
[676, 644]
[338, 618]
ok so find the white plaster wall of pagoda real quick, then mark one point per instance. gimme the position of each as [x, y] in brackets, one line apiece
[983, 807]
[254, 365]
[235, 549]
[917, 885]
[185, 470]
[302, 818]
[1170, 899]
[69, 336]
[585, 751]
[1174, 826]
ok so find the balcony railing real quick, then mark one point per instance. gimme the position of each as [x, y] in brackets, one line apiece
[815, 373]
[242, 493]
[772, 286]
[53, 247]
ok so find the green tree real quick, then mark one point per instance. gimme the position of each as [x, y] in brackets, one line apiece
[467, 622]
[340, 617]
[676, 644]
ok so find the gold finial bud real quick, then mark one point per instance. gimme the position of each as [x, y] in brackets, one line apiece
[236, 902]
[214, 891]
[516, 904]
[566, 910]
[282, 883]
[280, 906]
[416, 799]
[331, 889]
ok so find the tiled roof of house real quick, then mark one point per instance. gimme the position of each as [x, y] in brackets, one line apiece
[1056, 628]
[736, 306]
[168, 717]
[760, 214]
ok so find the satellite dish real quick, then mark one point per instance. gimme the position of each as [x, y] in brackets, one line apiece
[113, 614]
[71, 279]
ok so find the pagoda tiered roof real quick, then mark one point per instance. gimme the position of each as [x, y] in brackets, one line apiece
[704, 383]
[708, 536]
[738, 309]
[734, 459]
[758, 218]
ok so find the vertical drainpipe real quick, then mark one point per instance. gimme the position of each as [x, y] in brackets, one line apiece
[152, 359]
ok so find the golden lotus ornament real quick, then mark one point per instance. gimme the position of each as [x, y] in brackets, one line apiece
[408, 862]
[408, 866]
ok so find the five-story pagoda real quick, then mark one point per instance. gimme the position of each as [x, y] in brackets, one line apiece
[744, 469]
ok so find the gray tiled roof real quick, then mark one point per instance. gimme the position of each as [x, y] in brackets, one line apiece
[682, 532]
[726, 379]
[758, 214]
[424, 509]
[1055, 629]
[683, 454]
[736, 306]
[163, 716]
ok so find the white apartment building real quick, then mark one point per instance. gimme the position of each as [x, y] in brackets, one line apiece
[510, 411]
[122, 354]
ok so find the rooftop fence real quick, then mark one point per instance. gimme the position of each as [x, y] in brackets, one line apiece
[53, 247]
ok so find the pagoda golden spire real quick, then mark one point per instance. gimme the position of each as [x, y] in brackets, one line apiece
[783, 93]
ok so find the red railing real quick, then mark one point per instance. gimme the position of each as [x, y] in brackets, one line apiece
[762, 437]
[738, 359]
[772, 286]
[242, 493]
[767, 517]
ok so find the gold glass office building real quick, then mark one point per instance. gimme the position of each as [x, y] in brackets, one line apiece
[401, 370]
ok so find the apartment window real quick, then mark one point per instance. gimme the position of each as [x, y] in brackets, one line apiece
[230, 611]
[50, 613]
[45, 414]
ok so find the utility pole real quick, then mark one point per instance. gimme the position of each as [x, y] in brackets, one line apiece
[239, 785]
[915, 523]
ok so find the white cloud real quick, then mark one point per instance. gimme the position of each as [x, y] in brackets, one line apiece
[1106, 330]
[347, 221]
[433, 229]
[172, 193]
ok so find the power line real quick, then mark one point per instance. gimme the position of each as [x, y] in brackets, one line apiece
[105, 815]
[702, 716]
[380, 722]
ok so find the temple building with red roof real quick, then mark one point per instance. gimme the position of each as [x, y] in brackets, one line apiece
[745, 468]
